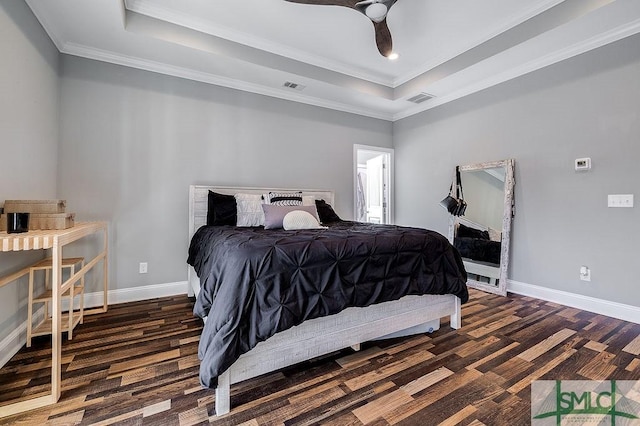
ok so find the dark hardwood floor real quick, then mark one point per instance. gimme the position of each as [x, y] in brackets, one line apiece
[137, 365]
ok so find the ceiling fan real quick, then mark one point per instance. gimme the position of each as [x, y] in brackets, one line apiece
[376, 10]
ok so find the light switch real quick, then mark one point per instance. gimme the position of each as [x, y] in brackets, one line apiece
[620, 200]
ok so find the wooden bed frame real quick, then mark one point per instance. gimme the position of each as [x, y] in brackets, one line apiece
[320, 336]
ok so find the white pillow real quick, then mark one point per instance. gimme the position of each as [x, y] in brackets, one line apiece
[309, 200]
[299, 219]
[249, 210]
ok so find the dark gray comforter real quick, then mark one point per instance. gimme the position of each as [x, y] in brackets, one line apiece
[257, 282]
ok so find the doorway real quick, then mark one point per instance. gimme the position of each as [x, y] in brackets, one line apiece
[373, 184]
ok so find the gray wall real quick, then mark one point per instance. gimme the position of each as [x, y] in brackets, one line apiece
[28, 133]
[588, 106]
[132, 142]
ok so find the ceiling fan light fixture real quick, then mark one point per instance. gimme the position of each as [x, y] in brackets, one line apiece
[376, 12]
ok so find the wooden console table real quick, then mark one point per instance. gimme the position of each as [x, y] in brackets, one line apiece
[54, 240]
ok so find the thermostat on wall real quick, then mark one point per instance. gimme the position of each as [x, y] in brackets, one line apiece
[583, 164]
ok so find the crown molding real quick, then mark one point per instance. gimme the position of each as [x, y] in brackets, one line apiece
[52, 32]
[535, 9]
[613, 35]
[544, 61]
[148, 8]
[583, 46]
[189, 74]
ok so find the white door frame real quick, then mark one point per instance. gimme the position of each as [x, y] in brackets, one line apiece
[390, 190]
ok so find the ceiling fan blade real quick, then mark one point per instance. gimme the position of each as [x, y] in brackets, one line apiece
[383, 38]
[346, 3]
[383, 35]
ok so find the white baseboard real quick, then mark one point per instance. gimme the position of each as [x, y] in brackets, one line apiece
[586, 303]
[11, 344]
[135, 294]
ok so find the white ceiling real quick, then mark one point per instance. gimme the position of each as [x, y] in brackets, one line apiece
[447, 48]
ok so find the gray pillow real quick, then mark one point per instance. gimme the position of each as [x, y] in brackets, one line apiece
[274, 215]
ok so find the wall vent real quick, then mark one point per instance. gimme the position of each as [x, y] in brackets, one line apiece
[294, 86]
[420, 97]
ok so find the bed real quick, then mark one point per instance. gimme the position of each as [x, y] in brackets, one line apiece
[228, 292]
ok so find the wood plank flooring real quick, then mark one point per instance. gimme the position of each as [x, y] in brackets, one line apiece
[138, 365]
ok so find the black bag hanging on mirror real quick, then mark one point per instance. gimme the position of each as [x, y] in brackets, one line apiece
[455, 205]
[462, 205]
[449, 202]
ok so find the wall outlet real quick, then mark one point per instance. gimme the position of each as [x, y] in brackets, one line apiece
[585, 273]
[143, 267]
[583, 164]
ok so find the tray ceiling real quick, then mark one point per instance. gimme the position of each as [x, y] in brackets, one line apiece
[448, 48]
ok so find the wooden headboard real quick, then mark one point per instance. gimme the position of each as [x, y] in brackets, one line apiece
[198, 206]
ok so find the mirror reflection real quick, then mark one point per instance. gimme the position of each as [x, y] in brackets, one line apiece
[482, 234]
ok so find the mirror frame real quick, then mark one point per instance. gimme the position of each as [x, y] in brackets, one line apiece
[508, 213]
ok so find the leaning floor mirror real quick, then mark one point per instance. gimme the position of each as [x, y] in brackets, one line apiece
[482, 234]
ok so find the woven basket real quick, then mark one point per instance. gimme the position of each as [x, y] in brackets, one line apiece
[35, 206]
[41, 221]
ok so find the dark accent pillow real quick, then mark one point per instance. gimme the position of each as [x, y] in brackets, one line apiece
[468, 232]
[222, 209]
[326, 212]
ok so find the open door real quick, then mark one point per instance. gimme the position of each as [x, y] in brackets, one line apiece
[373, 184]
[375, 205]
